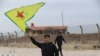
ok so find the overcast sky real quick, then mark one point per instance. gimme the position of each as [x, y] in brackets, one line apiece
[75, 12]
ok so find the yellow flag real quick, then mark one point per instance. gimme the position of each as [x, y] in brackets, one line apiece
[21, 15]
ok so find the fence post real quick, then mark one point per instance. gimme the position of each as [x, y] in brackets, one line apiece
[8, 38]
[81, 40]
[15, 41]
[16, 36]
[9, 35]
[98, 33]
[2, 36]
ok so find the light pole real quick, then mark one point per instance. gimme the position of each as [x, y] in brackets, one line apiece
[98, 1]
[62, 18]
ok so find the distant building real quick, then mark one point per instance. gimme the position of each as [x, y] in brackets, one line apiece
[47, 29]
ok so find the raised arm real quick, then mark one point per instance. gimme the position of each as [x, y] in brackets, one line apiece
[35, 42]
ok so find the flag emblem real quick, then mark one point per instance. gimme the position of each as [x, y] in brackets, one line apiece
[21, 15]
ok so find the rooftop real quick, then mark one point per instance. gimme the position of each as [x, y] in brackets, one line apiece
[48, 27]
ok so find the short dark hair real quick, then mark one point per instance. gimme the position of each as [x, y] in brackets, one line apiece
[59, 32]
[46, 36]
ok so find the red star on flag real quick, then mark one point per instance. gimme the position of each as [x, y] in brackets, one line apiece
[20, 14]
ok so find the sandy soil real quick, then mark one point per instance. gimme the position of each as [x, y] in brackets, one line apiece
[37, 52]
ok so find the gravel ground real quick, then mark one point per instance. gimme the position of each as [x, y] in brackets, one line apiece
[9, 51]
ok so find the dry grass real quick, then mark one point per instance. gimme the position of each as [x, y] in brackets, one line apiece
[73, 42]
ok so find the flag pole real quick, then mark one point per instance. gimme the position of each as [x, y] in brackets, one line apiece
[62, 18]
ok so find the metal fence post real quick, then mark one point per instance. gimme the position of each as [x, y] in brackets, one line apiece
[81, 40]
[15, 41]
[16, 37]
[98, 33]
[2, 36]
[8, 38]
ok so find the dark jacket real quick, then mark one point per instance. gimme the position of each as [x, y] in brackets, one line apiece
[59, 40]
[47, 49]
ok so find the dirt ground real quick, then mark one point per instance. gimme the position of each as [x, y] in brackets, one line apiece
[4, 51]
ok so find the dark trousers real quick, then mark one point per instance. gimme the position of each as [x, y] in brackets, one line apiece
[60, 49]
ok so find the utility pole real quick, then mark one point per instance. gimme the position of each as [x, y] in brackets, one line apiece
[62, 18]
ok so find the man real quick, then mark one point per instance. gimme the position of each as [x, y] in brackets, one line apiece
[59, 39]
[47, 48]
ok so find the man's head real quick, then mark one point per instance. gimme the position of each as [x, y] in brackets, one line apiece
[59, 33]
[46, 38]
